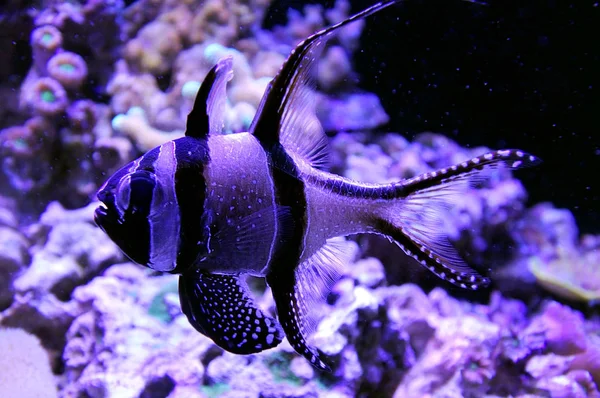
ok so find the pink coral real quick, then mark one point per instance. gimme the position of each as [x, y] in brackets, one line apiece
[564, 329]
[590, 359]
[68, 68]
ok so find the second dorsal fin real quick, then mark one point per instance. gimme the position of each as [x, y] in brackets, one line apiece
[208, 114]
[286, 113]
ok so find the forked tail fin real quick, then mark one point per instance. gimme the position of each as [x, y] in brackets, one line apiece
[416, 219]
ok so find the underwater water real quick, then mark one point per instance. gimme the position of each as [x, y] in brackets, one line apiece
[88, 86]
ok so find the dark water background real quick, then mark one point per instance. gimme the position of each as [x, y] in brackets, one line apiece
[519, 74]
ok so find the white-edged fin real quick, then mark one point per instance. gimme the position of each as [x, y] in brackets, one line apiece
[316, 276]
[222, 308]
[287, 110]
[418, 219]
[208, 114]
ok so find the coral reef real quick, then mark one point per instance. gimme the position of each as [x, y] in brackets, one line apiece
[25, 368]
[108, 80]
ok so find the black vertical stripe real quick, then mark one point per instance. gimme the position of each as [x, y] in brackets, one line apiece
[192, 156]
[148, 159]
[289, 190]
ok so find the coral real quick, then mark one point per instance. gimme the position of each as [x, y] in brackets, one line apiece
[573, 275]
[43, 315]
[239, 117]
[62, 257]
[110, 153]
[225, 22]
[90, 29]
[267, 63]
[25, 160]
[147, 354]
[154, 48]
[334, 69]
[590, 359]
[25, 368]
[563, 329]
[47, 97]
[351, 112]
[45, 42]
[68, 68]
[128, 90]
[135, 125]
[14, 255]
[458, 343]
[82, 115]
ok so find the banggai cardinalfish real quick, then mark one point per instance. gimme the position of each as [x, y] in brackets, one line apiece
[217, 207]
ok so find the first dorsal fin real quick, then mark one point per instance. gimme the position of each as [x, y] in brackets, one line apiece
[208, 114]
[286, 113]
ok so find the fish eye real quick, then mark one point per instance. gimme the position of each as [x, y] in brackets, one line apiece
[136, 192]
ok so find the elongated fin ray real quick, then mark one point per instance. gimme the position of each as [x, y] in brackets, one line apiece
[417, 220]
[208, 114]
[286, 113]
[296, 294]
[221, 308]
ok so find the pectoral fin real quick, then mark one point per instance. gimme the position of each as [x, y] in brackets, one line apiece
[221, 308]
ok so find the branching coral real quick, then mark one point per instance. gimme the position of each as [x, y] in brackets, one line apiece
[135, 125]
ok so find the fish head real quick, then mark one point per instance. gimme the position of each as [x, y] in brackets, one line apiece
[144, 203]
[128, 211]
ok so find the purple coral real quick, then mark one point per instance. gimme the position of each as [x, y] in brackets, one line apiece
[48, 97]
[23, 153]
[82, 115]
[45, 42]
[68, 68]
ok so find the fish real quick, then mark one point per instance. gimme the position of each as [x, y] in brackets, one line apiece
[215, 208]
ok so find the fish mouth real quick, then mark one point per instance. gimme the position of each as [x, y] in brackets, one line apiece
[100, 213]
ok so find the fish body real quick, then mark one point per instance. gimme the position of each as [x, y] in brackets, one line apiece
[215, 208]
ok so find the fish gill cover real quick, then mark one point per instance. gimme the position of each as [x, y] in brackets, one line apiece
[89, 86]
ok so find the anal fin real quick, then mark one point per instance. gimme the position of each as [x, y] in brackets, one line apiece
[221, 308]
